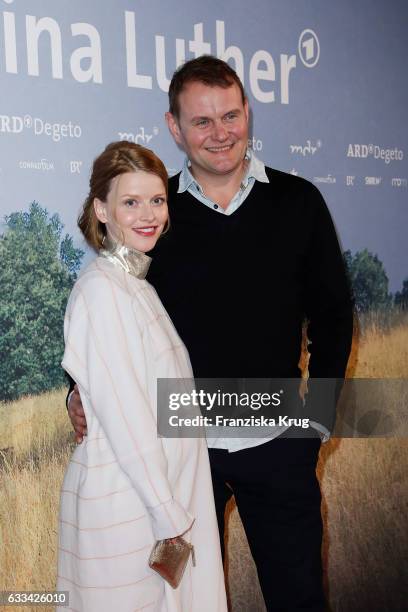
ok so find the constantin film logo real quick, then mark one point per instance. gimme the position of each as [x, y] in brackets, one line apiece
[364, 151]
[43, 165]
[328, 180]
[16, 124]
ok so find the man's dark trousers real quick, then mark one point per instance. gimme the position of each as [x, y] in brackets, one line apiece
[278, 499]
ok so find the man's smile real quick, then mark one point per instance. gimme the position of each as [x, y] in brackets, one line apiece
[220, 149]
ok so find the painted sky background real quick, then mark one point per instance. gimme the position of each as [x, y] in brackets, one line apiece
[357, 93]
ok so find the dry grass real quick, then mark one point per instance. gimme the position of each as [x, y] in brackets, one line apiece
[365, 509]
[364, 484]
[380, 348]
[365, 488]
[33, 422]
[34, 443]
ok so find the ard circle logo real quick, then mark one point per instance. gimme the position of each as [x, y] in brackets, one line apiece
[309, 48]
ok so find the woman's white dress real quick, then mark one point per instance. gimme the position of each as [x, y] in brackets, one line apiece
[124, 487]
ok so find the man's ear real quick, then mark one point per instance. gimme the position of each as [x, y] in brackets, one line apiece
[100, 210]
[173, 126]
[246, 109]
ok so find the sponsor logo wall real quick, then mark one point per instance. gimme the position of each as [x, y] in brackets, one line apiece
[327, 85]
[328, 103]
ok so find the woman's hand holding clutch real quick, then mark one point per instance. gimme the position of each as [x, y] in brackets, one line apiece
[169, 559]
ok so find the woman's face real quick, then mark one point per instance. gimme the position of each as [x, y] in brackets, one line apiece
[135, 210]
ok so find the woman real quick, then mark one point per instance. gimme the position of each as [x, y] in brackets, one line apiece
[125, 489]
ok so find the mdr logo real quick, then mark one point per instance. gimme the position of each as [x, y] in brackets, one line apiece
[140, 136]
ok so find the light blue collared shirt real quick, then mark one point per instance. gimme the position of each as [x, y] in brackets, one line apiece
[255, 172]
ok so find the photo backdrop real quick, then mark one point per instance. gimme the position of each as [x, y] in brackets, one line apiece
[328, 90]
[326, 81]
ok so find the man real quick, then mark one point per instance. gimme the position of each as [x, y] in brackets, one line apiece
[251, 253]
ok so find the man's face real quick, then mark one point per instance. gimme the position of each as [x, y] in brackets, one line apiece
[212, 128]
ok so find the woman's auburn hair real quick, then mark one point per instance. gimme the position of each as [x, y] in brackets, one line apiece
[118, 158]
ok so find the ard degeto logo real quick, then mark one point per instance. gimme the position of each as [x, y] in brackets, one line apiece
[16, 124]
[363, 151]
[255, 144]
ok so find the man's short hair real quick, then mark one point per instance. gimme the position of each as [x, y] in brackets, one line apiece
[205, 69]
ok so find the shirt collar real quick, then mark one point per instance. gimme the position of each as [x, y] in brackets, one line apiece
[255, 170]
[131, 260]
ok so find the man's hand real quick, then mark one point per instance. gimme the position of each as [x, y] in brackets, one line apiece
[77, 415]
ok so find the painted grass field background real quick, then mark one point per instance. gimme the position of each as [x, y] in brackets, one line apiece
[364, 484]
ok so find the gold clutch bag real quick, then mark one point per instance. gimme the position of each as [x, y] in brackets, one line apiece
[169, 559]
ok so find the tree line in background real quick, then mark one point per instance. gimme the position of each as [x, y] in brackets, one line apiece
[369, 283]
[38, 269]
